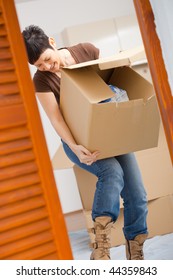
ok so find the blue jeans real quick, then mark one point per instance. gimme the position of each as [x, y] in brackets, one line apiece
[118, 176]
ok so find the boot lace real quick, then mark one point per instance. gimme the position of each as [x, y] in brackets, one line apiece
[102, 241]
[136, 251]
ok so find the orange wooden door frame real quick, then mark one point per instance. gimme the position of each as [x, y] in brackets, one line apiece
[157, 67]
[27, 203]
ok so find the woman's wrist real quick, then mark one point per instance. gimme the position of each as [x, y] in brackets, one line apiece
[72, 146]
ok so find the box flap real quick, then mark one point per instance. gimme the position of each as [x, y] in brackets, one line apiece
[124, 58]
[60, 160]
[85, 81]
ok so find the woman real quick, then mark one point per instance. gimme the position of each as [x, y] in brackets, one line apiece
[117, 176]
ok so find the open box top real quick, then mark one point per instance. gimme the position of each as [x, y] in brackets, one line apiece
[124, 58]
[87, 73]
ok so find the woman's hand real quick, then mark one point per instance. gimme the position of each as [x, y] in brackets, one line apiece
[84, 155]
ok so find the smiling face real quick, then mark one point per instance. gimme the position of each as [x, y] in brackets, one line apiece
[50, 59]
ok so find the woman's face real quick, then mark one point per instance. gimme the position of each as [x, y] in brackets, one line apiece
[49, 60]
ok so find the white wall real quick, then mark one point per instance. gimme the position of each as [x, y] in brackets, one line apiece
[54, 16]
[164, 22]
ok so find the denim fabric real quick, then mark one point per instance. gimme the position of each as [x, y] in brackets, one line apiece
[118, 176]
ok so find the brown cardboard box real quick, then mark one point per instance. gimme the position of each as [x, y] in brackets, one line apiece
[160, 220]
[111, 128]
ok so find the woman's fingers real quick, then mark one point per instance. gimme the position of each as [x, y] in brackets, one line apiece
[85, 156]
[90, 159]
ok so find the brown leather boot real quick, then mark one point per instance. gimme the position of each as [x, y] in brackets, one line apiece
[102, 230]
[134, 248]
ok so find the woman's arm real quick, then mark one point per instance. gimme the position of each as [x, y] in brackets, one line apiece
[53, 112]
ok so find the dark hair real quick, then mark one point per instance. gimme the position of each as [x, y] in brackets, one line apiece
[36, 42]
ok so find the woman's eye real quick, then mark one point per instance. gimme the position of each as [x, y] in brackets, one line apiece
[47, 59]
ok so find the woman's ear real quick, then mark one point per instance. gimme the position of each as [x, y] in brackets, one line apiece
[52, 42]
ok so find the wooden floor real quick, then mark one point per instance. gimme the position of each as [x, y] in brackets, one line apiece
[75, 221]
